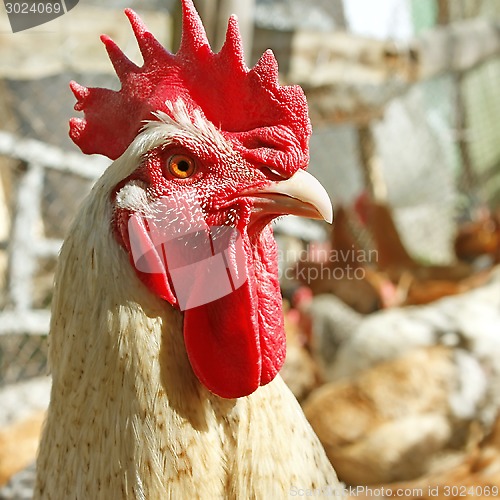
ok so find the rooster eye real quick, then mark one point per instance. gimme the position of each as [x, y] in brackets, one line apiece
[181, 166]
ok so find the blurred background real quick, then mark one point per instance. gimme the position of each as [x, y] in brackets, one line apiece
[393, 316]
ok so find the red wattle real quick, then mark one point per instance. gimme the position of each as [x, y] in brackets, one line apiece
[235, 343]
[223, 344]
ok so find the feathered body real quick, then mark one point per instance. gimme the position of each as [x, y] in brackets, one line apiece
[128, 417]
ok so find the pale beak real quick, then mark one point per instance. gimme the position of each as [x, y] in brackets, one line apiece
[302, 194]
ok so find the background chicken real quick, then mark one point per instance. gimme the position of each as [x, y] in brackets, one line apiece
[18, 445]
[393, 257]
[476, 475]
[164, 382]
[301, 371]
[479, 238]
[381, 427]
[410, 389]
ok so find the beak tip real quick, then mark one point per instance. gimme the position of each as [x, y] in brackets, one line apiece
[324, 206]
[306, 188]
[325, 211]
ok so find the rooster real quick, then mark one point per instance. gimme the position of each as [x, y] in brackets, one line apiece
[167, 330]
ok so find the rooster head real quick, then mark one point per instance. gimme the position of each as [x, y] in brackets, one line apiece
[217, 152]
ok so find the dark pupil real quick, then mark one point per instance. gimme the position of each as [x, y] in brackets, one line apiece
[183, 166]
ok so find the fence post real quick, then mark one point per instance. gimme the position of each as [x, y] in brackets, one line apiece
[22, 244]
[370, 163]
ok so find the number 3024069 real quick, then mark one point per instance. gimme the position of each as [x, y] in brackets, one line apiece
[33, 8]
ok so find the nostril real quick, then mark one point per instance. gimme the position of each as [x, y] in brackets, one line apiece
[272, 174]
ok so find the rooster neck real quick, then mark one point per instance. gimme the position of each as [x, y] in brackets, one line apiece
[124, 401]
[109, 334]
[127, 416]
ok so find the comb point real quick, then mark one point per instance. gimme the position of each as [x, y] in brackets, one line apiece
[151, 49]
[79, 91]
[233, 47]
[194, 36]
[139, 29]
[76, 127]
[267, 67]
[121, 63]
[136, 22]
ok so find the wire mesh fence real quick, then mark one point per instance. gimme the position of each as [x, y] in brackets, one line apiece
[428, 145]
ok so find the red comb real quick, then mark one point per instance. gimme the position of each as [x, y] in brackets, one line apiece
[266, 122]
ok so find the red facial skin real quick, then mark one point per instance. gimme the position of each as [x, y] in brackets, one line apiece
[235, 343]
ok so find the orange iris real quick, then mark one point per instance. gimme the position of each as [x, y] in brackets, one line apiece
[181, 166]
